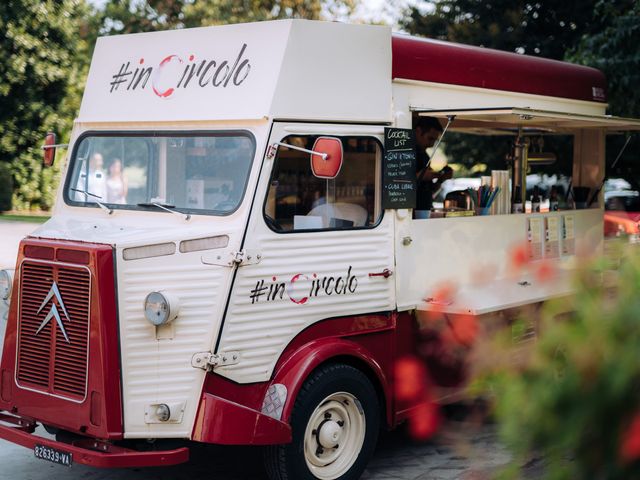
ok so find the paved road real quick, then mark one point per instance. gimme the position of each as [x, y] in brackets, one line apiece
[461, 451]
[10, 235]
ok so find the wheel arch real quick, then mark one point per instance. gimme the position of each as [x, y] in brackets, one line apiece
[295, 369]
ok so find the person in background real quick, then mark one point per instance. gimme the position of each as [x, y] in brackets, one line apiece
[93, 182]
[116, 183]
[427, 130]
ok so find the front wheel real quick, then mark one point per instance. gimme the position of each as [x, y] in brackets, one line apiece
[335, 423]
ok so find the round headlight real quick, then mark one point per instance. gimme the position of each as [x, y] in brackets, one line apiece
[160, 308]
[6, 282]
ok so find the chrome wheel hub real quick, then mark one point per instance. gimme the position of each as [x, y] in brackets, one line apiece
[334, 436]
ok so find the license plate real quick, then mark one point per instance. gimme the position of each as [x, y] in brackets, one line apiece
[53, 455]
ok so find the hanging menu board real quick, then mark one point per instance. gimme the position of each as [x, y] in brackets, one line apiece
[535, 237]
[552, 237]
[399, 172]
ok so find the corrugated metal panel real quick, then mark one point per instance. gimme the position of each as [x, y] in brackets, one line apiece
[260, 326]
[155, 369]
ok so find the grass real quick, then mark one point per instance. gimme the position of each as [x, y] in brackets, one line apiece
[16, 217]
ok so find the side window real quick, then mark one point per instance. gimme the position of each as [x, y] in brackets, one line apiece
[297, 200]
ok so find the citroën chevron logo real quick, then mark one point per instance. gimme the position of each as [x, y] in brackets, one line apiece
[54, 292]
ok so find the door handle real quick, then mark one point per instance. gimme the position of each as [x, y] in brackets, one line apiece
[386, 273]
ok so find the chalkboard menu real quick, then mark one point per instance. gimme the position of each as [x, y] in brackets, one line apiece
[399, 172]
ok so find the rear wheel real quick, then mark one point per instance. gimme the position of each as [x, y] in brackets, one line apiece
[335, 423]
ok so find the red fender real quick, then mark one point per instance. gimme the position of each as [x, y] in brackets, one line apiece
[366, 341]
[298, 366]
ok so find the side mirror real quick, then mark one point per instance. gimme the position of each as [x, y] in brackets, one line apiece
[327, 157]
[49, 149]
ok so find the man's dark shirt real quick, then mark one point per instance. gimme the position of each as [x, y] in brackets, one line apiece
[424, 189]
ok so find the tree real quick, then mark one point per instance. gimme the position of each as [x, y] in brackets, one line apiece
[130, 16]
[547, 28]
[215, 12]
[38, 67]
[613, 49]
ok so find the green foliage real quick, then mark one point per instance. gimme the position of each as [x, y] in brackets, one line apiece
[613, 49]
[130, 16]
[24, 218]
[546, 28]
[574, 400]
[215, 12]
[38, 64]
[6, 187]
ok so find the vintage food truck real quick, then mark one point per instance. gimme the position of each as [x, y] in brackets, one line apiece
[233, 256]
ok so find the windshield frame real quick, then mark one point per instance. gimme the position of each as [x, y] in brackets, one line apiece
[159, 134]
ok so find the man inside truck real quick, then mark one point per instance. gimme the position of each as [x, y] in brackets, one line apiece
[427, 130]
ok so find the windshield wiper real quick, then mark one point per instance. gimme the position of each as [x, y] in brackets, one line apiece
[166, 207]
[97, 202]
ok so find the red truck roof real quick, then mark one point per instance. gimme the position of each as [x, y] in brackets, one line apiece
[457, 64]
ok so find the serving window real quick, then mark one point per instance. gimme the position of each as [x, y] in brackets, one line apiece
[297, 200]
[484, 169]
[512, 160]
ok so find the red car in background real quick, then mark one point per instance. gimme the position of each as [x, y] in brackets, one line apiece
[622, 209]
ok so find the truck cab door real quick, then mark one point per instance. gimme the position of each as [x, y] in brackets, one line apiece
[320, 248]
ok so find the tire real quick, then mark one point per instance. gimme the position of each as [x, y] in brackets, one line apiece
[337, 412]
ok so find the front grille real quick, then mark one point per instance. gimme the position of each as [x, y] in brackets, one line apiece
[47, 361]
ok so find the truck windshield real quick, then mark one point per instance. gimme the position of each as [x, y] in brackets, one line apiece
[204, 173]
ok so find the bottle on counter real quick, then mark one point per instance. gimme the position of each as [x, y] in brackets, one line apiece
[535, 200]
[553, 199]
[516, 206]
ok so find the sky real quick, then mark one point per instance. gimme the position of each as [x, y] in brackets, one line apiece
[380, 11]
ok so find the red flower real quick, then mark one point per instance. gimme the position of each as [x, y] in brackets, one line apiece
[545, 271]
[424, 420]
[444, 294]
[410, 378]
[412, 385]
[465, 329]
[630, 445]
[519, 257]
